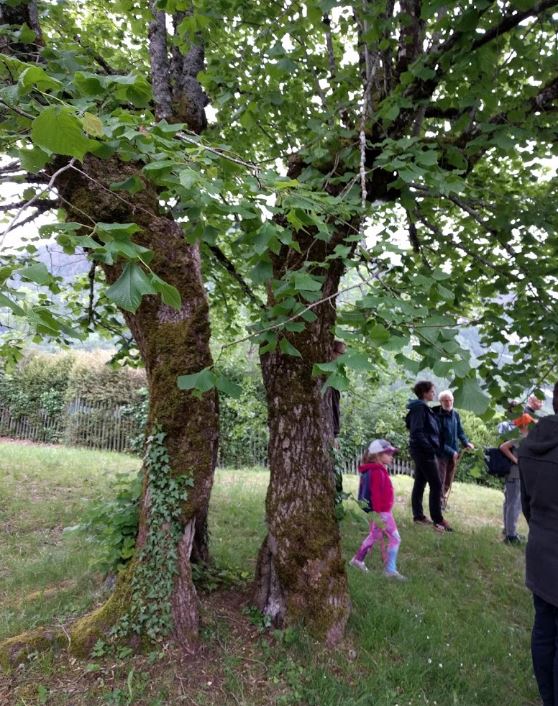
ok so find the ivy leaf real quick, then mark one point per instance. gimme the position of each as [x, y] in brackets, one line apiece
[58, 130]
[130, 287]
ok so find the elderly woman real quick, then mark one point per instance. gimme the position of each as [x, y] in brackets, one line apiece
[451, 433]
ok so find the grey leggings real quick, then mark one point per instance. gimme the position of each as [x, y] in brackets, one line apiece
[512, 501]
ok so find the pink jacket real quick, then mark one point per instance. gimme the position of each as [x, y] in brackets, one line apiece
[381, 488]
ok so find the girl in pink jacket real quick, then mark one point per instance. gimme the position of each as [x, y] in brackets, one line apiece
[375, 461]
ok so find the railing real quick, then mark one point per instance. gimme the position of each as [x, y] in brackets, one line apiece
[96, 425]
[101, 425]
[400, 465]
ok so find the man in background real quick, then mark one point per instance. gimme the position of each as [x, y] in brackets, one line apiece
[451, 432]
[538, 467]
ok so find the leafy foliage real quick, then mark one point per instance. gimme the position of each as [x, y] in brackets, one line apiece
[113, 523]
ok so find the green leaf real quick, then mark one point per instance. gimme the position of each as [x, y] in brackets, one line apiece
[33, 160]
[92, 125]
[130, 287]
[305, 282]
[262, 272]
[132, 185]
[34, 273]
[355, 360]
[288, 349]
[58, 130]
[35, 76]
[228, 387]
[9, 304]
[169, 294]
[203, 380]
[469, 396]
[116, 231]
[338, 380]
[379, 334]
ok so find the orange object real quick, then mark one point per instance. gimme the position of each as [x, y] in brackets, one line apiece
[524, 420]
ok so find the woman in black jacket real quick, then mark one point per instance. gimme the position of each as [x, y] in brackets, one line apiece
[425, 446]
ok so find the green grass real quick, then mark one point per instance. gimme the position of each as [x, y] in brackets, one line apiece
[457, 632]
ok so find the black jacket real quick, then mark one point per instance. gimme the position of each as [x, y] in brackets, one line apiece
[538, 467]
[424, 429]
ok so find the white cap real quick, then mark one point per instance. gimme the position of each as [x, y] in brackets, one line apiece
[381, 446]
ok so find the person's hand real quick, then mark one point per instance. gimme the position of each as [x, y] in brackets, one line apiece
[455, 455]
[469, 446]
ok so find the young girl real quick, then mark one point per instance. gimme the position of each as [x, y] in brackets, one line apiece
[378, 455]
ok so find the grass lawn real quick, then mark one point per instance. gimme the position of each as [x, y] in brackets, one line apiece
[457, 632]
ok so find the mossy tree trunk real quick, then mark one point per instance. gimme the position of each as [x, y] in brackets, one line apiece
[171, 343]
[300, 577]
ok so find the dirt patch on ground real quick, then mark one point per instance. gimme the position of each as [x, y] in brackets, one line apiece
[229, 666]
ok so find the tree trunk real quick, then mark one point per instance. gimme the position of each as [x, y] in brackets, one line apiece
[300, 577]
[171, 343]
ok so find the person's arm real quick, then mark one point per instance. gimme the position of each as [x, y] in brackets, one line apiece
[416, 428]
[505, 427]
[507, 449]
[525, 497]
[379, 494]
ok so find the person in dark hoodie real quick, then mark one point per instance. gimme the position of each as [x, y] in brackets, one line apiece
[425, 446]
[538, 468]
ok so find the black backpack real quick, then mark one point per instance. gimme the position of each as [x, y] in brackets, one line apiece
[497, 463]
[364, 496]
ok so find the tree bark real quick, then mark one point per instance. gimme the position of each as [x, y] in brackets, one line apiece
[300, 576]
[171, 343]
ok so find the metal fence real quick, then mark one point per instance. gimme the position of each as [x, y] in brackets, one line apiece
[100, 425]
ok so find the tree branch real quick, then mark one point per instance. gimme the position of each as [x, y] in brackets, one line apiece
[329, 44]
[159, 64]
[33, 200]
[231, 269]
[421, 89]
[410, 42]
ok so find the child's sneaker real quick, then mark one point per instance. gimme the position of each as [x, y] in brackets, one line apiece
[359, 565]
[395, 575]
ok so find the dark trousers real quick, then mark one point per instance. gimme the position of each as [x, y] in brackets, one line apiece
[544, 650]
[426, 471]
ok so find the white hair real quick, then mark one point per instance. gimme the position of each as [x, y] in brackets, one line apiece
[445, 393]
